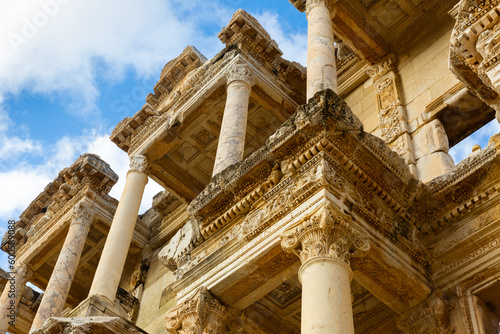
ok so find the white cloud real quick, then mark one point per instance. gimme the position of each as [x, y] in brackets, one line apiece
[293, 44]
[118, 160]
[480, 137]
[21, 185]
[65, 45]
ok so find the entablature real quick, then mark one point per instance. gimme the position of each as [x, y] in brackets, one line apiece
[320, 153]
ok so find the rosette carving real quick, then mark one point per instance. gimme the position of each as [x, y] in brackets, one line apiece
[201, 314]
[325, 233]
[240, 72]
[139, 163]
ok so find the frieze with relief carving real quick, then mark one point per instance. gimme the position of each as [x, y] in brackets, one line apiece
[202, 313]
[474, 50]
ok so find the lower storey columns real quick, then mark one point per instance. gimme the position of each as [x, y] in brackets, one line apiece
[234, 122]
[64, 271]
[114, 254]
[11, 295]
[323, 241]
[321, 66]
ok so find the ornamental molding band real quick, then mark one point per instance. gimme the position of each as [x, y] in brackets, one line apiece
[433, 316]
[476, 313]
[324, 234]
[240, 72]
[82, 214]
[202, 313]
[304, 5]
[475, 52]
[393, 122]
[85, 325]
[139, 163]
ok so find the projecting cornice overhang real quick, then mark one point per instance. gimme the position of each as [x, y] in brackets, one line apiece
[373, 28]
[178, 129]
[324, 124]
[320, 154]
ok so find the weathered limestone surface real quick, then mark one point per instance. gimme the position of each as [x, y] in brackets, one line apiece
[102, 325]
[234, 122]
[321, 67]
[323, 242]
[115, 251]
[473, 55]
[60, 281]
[271, 203]
[11, 295]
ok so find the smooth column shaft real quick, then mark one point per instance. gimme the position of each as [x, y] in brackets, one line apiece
[234, 124]
[326, 297]
[114, 254]
[321, 68]
[64, 271]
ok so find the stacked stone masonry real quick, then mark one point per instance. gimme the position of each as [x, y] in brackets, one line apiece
[318, 200]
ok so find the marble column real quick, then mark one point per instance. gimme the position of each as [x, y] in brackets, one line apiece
[114, 254]
[324, 242]
[64, 271]
[321, 67]
[234, 122]
[11, 295]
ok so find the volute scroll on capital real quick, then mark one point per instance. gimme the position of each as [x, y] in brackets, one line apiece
[82, 214]
[139, 163]
[324, 234]
[240, 72]
[201, 313]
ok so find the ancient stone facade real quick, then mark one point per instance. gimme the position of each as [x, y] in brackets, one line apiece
[318, 201]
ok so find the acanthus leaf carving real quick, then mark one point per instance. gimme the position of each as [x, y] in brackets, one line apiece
[82, 214]
[139, 163]
[240, 72]
[326, 233]
[200, 314]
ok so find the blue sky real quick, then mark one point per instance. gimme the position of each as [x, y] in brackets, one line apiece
[70, 70]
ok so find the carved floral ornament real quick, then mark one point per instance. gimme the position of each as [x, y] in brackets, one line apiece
[82, 214]
[200, 314]
[325, 234]
[475, 49]
[304, 5]
[139, 163]
[386, 65]
[240, 72]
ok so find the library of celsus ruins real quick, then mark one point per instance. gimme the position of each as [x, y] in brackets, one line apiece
[318, 200]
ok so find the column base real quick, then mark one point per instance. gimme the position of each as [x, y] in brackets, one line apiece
[95, 306]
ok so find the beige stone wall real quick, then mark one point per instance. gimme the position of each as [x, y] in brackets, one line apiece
[424, 69]
[424, 77]
[362, 102]
[153, 306]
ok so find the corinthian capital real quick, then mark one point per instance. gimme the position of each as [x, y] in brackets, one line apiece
[240, 72]
[22, 274]
[304, 5]
[201, 313]
[82, 214]
[324, 234]
[139, 163]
